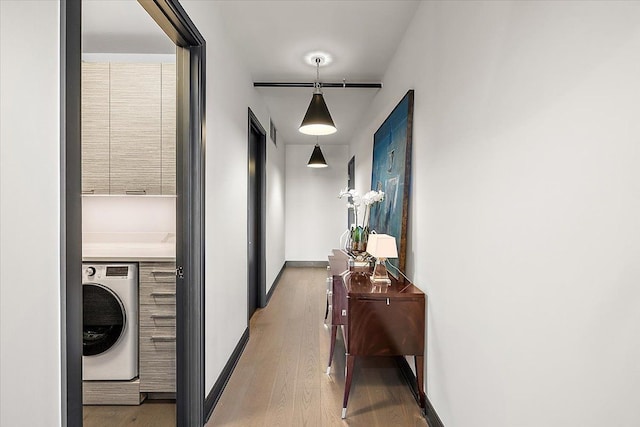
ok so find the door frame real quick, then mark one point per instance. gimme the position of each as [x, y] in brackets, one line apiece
[190, 186]
[261, 157]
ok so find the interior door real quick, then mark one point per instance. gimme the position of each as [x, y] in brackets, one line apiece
[256, 215]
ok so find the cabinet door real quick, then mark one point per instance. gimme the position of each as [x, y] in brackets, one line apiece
[169, 128]
[135, 128]
[95, 128]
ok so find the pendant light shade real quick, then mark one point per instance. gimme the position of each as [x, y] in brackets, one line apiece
[317, 159]
[318, 120]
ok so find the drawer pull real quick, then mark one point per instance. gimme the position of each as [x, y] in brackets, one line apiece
[88, 191]
[163, 338]
[135, 191]
[163, 316]
[170, 272]
[163, 294]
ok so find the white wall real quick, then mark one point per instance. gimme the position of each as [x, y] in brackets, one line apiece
[229, 92]
[128, 214]
[315, 216]
[30, 365]
[524, 228]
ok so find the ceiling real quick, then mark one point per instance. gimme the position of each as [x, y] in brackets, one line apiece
[273, 38]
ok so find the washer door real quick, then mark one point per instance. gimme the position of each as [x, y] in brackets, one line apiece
[104, 319]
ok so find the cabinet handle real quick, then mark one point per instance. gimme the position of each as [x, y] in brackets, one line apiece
[173, 272]
[162, 338]
[163, 316]
[88, 191]
[135, 192]
[163, 294]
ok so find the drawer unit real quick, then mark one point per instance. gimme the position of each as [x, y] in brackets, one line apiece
[157, 327]
[158, 359]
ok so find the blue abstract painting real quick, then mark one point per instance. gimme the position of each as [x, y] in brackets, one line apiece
[391, 173]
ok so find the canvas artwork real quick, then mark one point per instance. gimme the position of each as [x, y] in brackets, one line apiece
[391, 173]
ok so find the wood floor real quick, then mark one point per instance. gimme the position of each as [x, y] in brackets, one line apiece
[281, 380]
[149, 414]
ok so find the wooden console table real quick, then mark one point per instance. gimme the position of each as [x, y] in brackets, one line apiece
[375, 320]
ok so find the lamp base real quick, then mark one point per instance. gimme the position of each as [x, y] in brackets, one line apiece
[380, 275]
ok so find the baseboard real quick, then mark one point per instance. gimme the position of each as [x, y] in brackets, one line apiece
[430, 414]
[298, 264]
[217, 389]
[275, 283]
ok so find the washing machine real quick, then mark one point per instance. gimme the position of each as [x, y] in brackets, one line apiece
[110, 321]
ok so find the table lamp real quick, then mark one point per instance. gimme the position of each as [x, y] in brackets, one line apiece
[381, 247]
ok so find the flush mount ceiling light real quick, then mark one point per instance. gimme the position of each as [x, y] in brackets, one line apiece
[317, 120]
[317, 159]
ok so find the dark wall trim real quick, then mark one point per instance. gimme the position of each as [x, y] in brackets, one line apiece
[275, 283]
[298, 264]
[322, 84]
[217, 389]
[432, 417]
[71, 214]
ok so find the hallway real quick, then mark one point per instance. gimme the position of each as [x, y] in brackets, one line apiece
[280, 379]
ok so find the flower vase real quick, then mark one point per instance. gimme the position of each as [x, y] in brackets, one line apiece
[359, 236]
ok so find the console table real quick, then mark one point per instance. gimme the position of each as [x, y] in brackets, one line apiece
[375, 320]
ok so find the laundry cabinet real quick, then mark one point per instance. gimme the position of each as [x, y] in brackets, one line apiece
[128, 128]
[157, 327]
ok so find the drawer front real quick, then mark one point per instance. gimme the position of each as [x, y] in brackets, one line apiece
[381, 327]
[154, 316]
[158, 283]
[158, 359]
[158, 272]
[157, 294]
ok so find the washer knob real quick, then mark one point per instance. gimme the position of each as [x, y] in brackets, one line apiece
[90, 271]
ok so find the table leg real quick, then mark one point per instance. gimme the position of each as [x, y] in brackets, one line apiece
[347, 383]
[334, 331]
[419, 360]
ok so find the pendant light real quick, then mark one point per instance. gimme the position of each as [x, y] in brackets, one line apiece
[317, 159]
[317, 120]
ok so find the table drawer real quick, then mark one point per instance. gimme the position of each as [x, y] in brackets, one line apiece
[157, 359]
[386, 326]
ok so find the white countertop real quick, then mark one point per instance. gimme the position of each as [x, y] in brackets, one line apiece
[128, 246]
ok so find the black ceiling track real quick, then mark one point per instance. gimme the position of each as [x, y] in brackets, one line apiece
[323, 85]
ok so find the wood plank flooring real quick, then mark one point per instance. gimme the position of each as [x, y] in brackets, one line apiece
[281, 380]
[149, 414]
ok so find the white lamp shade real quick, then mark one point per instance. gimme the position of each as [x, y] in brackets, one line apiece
[382, 246]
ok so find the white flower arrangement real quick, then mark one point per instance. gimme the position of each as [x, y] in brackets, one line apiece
[357, 203]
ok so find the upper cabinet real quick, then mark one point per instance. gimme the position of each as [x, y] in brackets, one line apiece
[95, 128]
[129, 146]
[168, 128]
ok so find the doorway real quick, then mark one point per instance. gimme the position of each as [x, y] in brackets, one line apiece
[256, 217]
[190, 69]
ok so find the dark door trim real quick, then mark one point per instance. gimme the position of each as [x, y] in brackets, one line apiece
[71, 214]
[172, 18]
[260, 167]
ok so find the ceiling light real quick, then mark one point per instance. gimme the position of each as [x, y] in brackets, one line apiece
[317, 120]
[317, 159]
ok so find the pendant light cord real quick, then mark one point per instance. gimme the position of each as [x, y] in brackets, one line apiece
[317, 84]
